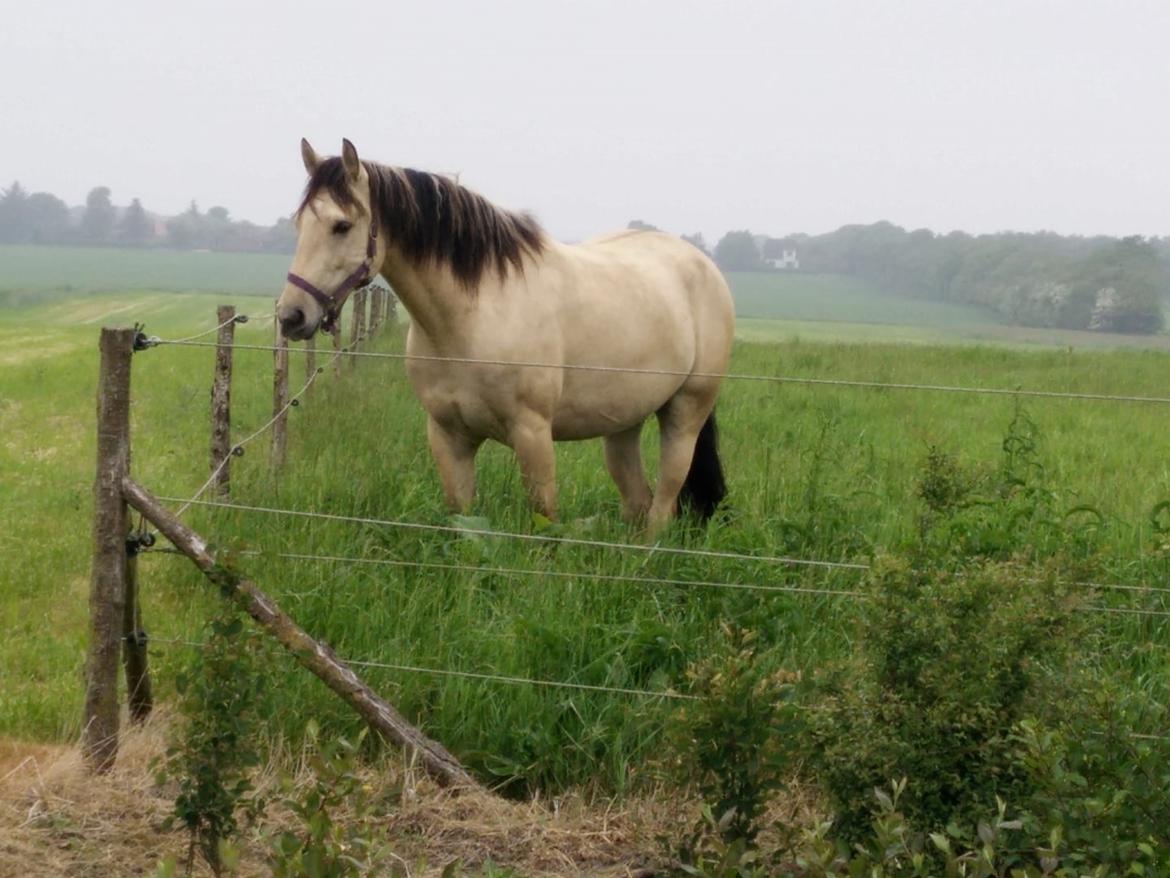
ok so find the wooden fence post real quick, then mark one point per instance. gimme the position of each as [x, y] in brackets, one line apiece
[279, 399]
[134, 642]
[107, 590]
[375, 309]
[390, 307]
[310, 361]
[336, 334]
[221, 402]
[356, 324]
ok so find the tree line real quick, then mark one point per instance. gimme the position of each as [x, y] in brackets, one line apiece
[43, 218]
[1031, 279]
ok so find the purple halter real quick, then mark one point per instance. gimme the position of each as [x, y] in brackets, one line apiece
[331, 304]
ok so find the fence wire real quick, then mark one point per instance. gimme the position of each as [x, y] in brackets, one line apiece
[541, 538]
[729, 376]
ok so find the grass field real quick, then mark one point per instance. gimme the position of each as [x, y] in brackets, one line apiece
[28, 273]
[777, 306]
[817, 472]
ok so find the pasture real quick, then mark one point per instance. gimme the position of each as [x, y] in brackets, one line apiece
[815, 472]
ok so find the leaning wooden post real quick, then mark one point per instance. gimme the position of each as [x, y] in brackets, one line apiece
[221, 402]
[134, 640]
[279, 399]
[107, 588]
[308, 652]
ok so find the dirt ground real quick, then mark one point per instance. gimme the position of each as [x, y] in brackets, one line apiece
[56, 819]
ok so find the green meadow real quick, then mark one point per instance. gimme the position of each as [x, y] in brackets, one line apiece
[815, 472]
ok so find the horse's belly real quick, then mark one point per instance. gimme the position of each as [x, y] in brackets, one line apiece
[605, 407]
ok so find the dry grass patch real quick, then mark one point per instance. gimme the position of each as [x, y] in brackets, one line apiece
[58, 820]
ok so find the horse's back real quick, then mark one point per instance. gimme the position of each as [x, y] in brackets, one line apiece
[643, 301]
[661, 272]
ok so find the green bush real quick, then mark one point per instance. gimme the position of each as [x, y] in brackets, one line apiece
[948, 661]
[735, 744]
[338, 835]
[214, 748]
[1103, 786]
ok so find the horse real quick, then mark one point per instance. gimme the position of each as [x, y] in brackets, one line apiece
[521, 339]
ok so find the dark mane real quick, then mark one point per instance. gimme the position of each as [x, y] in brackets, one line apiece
[431, 218]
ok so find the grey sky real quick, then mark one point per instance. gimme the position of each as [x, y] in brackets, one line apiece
[773, 116]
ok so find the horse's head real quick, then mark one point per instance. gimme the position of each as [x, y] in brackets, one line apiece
[337, 243]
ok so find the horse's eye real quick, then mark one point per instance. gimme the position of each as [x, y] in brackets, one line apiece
[341, 227]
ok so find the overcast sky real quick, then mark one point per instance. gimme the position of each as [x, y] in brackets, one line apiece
[773, 116]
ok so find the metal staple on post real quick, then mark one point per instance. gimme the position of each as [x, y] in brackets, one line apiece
[107, 592]
[279, 399]
[221, 393]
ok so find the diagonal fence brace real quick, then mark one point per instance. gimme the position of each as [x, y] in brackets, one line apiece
[309, 652]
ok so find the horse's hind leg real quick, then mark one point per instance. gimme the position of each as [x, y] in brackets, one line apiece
[454, 454]
[623, 459]
[679, 423]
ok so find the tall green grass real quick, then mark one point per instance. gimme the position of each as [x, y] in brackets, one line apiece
[814, 472]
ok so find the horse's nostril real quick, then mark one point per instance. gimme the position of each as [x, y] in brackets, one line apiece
[295, 319]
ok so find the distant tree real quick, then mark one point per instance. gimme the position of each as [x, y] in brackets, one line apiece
[135, 227]
[1129, 286]
[281, 237]
[641, 226]
[696, 240]
[220, 231]
[737, 251]
[187, 231]
[97, 222]
[13, 203]
[46, 218]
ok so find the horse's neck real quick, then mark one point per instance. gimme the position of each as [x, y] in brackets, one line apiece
[437, 306]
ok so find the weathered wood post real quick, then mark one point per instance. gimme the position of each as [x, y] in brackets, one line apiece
[391, 307]
[357, 321]
[107, 589]
[279, 399]
[134, 641]
[335, 332]
[375, 309]
[221, 402]
[310, 361]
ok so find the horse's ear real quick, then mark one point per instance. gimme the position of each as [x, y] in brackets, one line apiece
[349, 160]
[309, 157]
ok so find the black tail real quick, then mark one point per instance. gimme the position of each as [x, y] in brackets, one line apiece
[704, 488]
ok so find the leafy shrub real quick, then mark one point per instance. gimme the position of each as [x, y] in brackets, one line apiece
[214, 747]
[338, 835]
[734, 744]
[948, 661]
[1100, 784]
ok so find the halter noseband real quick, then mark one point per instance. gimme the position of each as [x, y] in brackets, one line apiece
[331, 304]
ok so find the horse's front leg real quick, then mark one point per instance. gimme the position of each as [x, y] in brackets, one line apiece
[531, 438]
[455, 455]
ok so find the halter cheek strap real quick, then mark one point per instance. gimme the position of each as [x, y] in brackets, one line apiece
[331, 303]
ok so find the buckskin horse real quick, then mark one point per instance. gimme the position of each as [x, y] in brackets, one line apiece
[521, 339]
